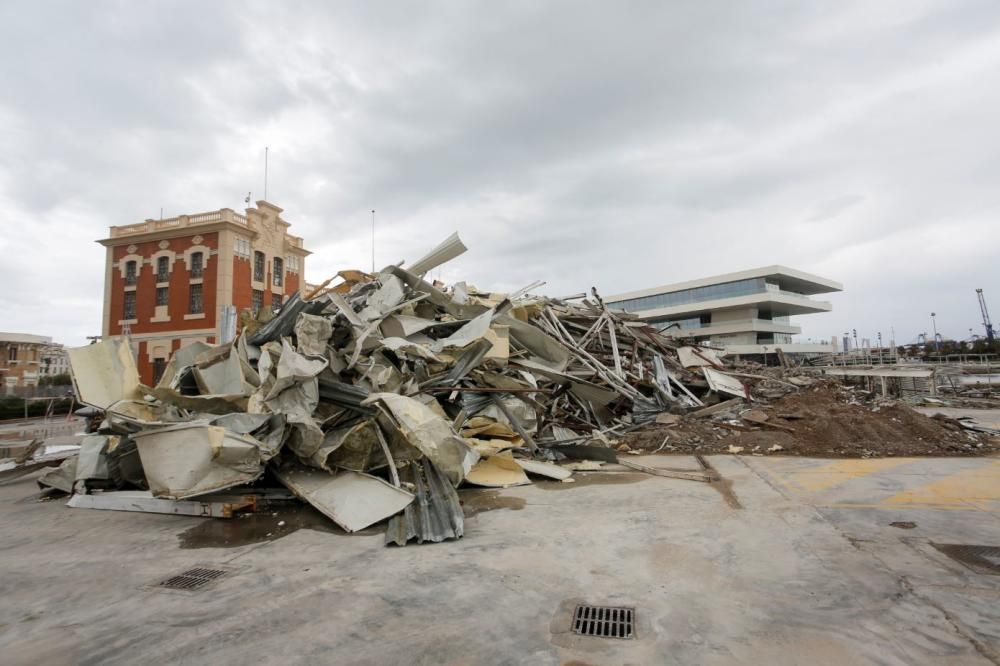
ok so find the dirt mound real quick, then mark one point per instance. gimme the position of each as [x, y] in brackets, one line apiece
[825, 421]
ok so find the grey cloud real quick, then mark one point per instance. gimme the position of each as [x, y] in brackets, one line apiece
[578, 143]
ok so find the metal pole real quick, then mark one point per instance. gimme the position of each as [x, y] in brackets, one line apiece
[266, 149]
[937, 345]
[373, 240]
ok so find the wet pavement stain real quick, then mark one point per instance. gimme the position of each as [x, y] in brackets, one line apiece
[251, 528]
[594, 479]
[725, 488]
[477, 501]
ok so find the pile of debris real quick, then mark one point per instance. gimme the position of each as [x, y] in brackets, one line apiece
[374, 399]
[817, 417]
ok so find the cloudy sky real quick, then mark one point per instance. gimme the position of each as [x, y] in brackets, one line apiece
[616, 145]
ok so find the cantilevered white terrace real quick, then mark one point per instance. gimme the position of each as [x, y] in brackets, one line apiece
[748, 309]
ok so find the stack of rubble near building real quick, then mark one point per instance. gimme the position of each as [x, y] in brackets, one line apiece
[377, 402]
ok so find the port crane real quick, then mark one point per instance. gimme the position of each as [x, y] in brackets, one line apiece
[987, 324]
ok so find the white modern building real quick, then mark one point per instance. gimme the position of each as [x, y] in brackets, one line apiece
[746, 312]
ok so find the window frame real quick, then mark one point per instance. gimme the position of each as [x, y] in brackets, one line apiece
[131, 272]
[129, 313]
[197, 264]
[192, 301]
[277, 272]
[256, 301]
[259, 266]
[162, 269]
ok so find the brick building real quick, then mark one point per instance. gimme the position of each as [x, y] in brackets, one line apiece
[23, 359]
[172, 282]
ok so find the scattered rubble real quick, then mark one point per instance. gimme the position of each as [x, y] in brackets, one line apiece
[375, 398]
[821, 419]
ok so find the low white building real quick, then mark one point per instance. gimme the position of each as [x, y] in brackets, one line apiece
[747, 312]
[54, 361]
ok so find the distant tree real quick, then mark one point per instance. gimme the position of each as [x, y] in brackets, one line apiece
[984, 346]
[62, 379]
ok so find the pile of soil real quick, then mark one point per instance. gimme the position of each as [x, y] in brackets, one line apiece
[824, 421]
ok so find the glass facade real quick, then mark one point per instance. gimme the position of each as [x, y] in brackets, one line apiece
[693, 322]
[773, 339]
[700, 294]
[696, 295]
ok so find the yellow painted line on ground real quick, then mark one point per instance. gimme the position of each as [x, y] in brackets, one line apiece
[971, 487]
[969, 506]
[833, 474]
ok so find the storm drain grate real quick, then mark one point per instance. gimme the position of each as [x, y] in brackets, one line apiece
[192, 579]
[981, 559]
[604, 621]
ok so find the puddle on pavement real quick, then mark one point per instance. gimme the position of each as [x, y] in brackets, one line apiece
[477, 501]
[253, 528]
[594, 479]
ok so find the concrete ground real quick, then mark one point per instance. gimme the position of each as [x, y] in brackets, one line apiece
[987, 417]
[799, 565]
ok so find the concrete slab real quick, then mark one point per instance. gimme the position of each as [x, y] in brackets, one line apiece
[987, 417]
[890, 483]
[784, 580]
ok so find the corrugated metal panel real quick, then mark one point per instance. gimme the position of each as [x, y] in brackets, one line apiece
[435, 515]
[283, 325]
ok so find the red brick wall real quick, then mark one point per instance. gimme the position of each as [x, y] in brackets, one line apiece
[291, 284]
[143, 364]
[242, 291]
[179, 288]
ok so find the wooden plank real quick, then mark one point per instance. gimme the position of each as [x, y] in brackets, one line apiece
[717, 408]
[705, 477]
